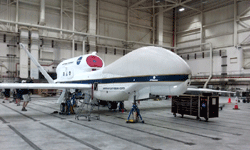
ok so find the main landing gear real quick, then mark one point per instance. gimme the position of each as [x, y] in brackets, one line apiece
[135, 112]
[67, 107]
[112, 105]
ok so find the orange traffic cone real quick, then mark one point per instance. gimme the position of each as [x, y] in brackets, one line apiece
[236, 105]
[229, 100]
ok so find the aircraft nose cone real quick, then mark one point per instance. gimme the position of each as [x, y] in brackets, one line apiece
[163, 61]
[149, 61]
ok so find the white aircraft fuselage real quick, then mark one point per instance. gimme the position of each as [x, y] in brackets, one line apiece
[138, 75]
[144, 72]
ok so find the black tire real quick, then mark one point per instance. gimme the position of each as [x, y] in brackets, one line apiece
[112, 105]
[206, 119]
[109, 105]
[62, 108]
[103, 103]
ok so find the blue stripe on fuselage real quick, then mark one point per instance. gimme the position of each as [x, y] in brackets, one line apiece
[161, 78]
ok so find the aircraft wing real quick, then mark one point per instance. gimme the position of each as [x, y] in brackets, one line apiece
[44, 86]
[208, 90]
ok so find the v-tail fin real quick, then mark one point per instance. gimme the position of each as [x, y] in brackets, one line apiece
[45, 74]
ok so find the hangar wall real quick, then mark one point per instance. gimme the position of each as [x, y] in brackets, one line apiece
[114, 19]
[218, 29]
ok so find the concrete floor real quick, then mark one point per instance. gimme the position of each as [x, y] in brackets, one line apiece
[39, 129]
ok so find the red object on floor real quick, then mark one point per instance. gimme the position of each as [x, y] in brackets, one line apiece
[229, 100]
[236, 105]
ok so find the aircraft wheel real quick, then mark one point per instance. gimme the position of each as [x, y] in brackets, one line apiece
[206, 119]
[109, 105]
[112, 105]
[62, 107]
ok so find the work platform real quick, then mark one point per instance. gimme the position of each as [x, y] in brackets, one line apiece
[38, 128]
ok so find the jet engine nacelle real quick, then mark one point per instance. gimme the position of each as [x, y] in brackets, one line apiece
[70, 68]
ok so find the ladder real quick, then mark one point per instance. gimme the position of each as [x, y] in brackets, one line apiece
[87, 105]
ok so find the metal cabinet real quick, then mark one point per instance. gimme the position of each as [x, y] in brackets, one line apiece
[199, 106]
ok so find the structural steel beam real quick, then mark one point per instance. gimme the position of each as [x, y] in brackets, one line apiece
[201, 28]
[137, 3]
[152, 6]
[190, 7]
[244, 12]
[176, 5]
[17, 9]
[127, 36]
[61, 18]
[235, 24]
[80, 33]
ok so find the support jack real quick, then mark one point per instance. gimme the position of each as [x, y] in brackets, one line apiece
[135, 113]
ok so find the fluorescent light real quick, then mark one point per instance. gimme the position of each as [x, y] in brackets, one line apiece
[182, 9]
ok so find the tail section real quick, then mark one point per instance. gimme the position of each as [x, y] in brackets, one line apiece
[45, 74]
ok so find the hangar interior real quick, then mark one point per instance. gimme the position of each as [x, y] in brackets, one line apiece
[212, 36]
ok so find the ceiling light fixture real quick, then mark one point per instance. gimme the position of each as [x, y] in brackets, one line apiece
[181, 9]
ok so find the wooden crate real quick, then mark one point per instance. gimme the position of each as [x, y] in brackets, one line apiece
[47, 92]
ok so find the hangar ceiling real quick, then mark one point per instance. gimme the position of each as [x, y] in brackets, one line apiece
[191, 6]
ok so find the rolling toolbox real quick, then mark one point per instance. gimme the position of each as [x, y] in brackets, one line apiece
[199, 106]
